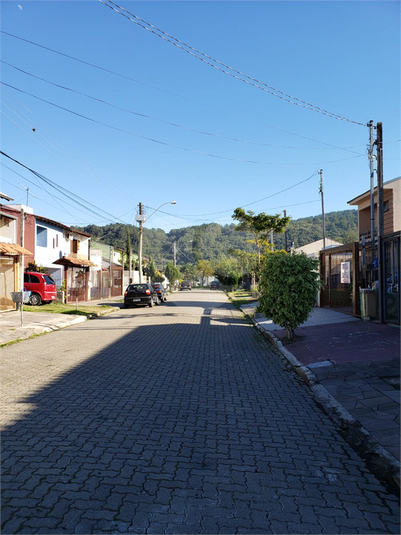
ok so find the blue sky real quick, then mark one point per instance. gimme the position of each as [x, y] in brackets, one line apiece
[171, 127]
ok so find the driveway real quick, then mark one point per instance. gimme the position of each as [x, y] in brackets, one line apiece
[175, 419]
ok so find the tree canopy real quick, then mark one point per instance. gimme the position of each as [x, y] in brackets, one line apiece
[213, 241]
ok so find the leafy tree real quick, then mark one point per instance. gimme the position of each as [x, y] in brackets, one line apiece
[212, 241]
[228, 271]
[189, 272]
[158, 277]
[172, 273]
[260, 225]
[150, 269]
[197, 245]
[289, 285]
[32, 266]
[205, 268]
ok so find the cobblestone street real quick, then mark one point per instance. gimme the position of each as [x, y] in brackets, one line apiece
[176, 419]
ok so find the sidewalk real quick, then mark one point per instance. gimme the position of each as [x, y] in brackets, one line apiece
[353, 368]
[40, 322]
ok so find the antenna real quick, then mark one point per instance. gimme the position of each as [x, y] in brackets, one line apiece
[27, 193]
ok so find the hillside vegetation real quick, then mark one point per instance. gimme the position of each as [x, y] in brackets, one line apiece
[212, 241]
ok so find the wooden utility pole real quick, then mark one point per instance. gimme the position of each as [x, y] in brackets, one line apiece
[140, 241]
[285, 233]
[372, 192]
[22, 243]
[175, 254]
[380, 219]
[323, 221]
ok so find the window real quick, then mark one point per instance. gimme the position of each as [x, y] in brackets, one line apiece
[41, 236]
[34, 279]
[74, 246]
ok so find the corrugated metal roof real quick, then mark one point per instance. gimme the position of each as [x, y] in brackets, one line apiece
[13, 249]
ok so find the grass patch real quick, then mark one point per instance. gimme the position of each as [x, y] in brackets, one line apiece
[241, 297]
[62, 308]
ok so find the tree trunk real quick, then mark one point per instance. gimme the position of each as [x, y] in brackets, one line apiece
[289, 333]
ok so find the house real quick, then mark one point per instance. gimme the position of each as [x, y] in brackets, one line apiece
[106, 279]
[391, 209]
[313, 249]
[63, 251]
[388, 276]
[12, 257]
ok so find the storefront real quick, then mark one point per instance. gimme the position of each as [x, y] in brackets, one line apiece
[340, 270]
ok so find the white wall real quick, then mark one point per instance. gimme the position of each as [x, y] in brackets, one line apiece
[56, 245]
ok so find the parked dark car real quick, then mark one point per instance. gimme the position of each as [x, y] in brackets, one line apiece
[161, 292]
[42, 287]
[214, 285]
[140, 294]
[186, 285]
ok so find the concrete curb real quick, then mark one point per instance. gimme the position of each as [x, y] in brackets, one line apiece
[384, 465]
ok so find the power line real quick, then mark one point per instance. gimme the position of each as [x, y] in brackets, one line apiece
[207, 59]
[57, 146]
[153, 140]
[169, 92]
[96, 99]
[70, 195]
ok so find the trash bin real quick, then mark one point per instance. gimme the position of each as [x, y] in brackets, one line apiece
[20, 297]
[369, 304]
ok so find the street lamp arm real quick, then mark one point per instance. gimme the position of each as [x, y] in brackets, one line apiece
[169, 202]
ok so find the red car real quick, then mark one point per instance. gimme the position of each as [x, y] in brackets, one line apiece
[161, 292]
[42, 287]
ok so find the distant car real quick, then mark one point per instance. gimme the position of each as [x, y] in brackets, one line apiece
[42, 287]
[140, 294]
[214, 285]
[161, 292]
[186, 285]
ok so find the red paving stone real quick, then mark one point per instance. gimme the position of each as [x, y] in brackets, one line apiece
[344, 342]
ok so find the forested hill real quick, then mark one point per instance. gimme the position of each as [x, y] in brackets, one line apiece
[212, 241]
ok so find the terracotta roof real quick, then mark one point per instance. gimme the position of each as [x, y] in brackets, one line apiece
[13, 249]
[74, 260]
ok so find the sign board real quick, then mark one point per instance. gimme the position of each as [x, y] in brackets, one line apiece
[140, 217]
[345, 272]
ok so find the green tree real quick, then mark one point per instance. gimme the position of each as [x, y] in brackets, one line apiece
[228, 271]
[205, 268]
[172, 274]
[260, 225]
[289, 285]
[150, 269]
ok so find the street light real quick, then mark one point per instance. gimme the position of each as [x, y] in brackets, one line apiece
[142, 218]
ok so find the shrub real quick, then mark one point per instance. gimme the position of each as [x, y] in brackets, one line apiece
[289, 285]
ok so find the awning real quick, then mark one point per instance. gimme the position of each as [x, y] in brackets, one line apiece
[12, 249]
[74, 260]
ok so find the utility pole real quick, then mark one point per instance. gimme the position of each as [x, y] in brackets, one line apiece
[175, 254]
[380, 219]
[22, 242]
[110, 273]
[372, 192]
[323, 221]
[27, 193]
[140, 219]
[285, 233]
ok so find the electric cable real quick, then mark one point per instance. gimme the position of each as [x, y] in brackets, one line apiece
[70, 195]
[169, 92]
[161, 120]
[194, 52]
[164, 143]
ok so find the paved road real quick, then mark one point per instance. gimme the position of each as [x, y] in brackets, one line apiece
[176, 419]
